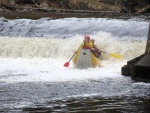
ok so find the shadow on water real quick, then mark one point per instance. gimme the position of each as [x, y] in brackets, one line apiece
[92, 105]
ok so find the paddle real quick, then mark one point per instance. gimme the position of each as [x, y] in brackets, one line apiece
[114, 55]
[67, 63]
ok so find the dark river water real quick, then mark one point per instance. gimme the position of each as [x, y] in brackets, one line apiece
[71, 97]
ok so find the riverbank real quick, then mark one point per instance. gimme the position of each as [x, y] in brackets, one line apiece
[75, 6]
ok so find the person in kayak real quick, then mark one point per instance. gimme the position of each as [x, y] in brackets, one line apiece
[87, 43]
[96, 52]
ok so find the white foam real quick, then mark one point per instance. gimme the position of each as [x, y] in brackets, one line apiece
[52, 70]
[14, 47]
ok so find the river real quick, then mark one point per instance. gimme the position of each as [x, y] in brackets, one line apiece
[33, 78]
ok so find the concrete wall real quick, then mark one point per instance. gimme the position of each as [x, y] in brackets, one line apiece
[148, 42]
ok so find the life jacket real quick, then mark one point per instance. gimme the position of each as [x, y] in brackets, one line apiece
[95, 51]
[87, 45]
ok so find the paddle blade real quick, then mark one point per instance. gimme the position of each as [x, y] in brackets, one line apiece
[66, 64]
[116, 56]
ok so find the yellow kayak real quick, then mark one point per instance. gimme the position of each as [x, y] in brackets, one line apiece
[85, 59]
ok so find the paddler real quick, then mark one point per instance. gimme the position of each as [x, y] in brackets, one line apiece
[96, 52]
[86, 43]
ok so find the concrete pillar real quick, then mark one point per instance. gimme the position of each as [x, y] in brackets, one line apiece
[139, 67]
[148, 42]
[145, 61]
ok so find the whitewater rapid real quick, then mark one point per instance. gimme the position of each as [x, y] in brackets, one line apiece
[33, 52]
[28, 56]
[36, 50]
[25, 47]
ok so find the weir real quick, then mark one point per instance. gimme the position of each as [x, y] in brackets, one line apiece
[139, 67]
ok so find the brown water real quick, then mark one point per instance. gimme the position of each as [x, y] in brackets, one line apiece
[33, 15]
